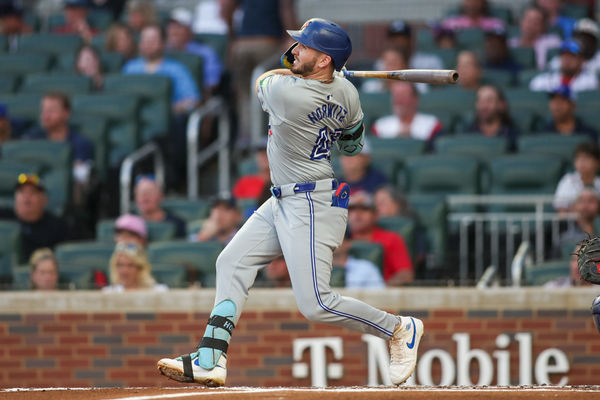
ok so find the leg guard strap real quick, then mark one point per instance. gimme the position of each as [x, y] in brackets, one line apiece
[216, 344]
[221, 322]
[187, 367]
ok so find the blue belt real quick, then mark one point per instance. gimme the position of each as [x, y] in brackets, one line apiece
[292, 188]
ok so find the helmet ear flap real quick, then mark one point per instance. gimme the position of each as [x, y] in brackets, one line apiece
[287, 59]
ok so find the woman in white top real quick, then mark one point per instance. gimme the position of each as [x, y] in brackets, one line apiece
[587, 165]
[130, 269]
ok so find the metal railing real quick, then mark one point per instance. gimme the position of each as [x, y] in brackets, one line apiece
[196, 157]
[150, 149]
[526, 226]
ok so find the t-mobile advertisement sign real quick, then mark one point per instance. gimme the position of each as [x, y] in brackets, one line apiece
[453, 371]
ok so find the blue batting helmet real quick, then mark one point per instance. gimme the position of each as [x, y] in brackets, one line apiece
[325, 36]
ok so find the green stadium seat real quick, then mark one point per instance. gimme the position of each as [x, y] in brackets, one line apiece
[553, 144]
[470, 38]
[100, 19]
[498, 77]
[525, 173]
[10, 232]
[405, 227]
[338, 277]
[21, 64]
[501, 12]
[477, 146]
[193, 227]
[588, 102]
[442, 175]
[217, 41]
[155, 94]
[21, 278]
[425, 39]
[575, 11]
[174, 276]
[3, 43]
[368, 251]
[448, 56]
[25, 106]
[375, 105]
[524, 56]
[186, 209]
[193, 62]
[78, 261]
[59, 187]
[199, 258]
[157, 231]
[525, 76]
[396, 147]
[95, 129]
[9, 171]
[523, 99]
[431, 212]
[525, 121]
[453, 99]
[121, 112]
[50, 43]
[8, 84]
[46, 154]
[111, 62]
[541, 273]
[70, 84]
[247, 166]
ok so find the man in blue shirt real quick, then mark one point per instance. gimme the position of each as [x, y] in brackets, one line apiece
[179, 38]
[152, 61]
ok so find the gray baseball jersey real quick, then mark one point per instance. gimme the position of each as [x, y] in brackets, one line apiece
[305, 118]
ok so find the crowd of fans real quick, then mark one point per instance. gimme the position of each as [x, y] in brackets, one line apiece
[565, 63]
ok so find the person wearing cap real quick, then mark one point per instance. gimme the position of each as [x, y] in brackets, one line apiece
[362, 224]
[586, 31]
[131, 228]
[571, 72]
[473, 14]
[223, 223]
[563, 120]
[556, 18]
[399, 37]
[587, 208]
[148, 199]
[130, 269]
[360, 173]
[12, 24]
[535, 35]
[39, 227]
[179, 38]
[75, 13]
[586, 160]
[255, 186]
[406, 121]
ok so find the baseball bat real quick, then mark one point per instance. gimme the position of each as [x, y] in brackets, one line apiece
[435, 76]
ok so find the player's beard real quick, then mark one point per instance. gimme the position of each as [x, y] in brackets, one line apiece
[304, 69]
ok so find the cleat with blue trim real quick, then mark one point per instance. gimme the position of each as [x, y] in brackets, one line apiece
[187, 369]
[404, 345]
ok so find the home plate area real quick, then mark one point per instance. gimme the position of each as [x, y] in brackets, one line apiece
[403, 392]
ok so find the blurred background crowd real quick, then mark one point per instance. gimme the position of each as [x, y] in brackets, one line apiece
[132, 148]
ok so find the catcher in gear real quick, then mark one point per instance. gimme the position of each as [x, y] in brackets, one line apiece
[588, 260]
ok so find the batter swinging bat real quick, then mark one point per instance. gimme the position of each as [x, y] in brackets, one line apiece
[436, 76]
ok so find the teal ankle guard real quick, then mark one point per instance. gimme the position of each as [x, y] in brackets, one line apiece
[216, 337]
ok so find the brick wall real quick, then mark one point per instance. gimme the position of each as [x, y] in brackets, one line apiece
[120, 348]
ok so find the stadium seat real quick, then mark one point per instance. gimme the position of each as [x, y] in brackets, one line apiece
[79, 261]
[198, 257]
[470, 38]
[174, 276]
[375, 105]
[425, 39]
[9, 171]
[10, 232]
[67, 83]
[193, 227]
[46, 154]
[448, 56]
[498, 77]
[525, 76]
[59, 187]
[523, 99]
[21, 277]
[524, 56]
[8, 84]
[3, 43]
[217, 41]
[95, 129]
[186, 209]
[442, 175]
[477, 146]
[368, 251]
[193, 62]
[121, 112]
[155, 94]
[338, 277]
[111, 62]
[24, 106]
[54, 44]
[541, 273]
[453, 99]
[21, 64]
[553, 144]
[431, 214]
[388, 155]
[588, 101]
[157, 231]
[405, 227]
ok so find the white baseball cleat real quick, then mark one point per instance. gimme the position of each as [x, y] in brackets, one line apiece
[404, 345]
[176, 369]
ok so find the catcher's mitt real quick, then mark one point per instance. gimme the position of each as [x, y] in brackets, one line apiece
[588, 260]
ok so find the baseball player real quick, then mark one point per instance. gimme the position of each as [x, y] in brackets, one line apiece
[310, 107]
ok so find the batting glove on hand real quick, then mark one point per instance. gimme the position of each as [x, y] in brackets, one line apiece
[341, 73]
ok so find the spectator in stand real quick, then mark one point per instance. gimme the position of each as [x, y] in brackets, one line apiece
[260, 35]
[140, 14]
[88, 63]
[586, 159]
[39, 227]
[389, 202]
[534, 34]
[391, 59]
[553, 10]
[208, 18]
[444, 38]
[360, 174]
[492, 118]
[399, 36]
[253, 186]
[5, 127]
[275, 275]
[586, 32]
[130, 269]
[12, 24]
[153, 61]
[497, 55]
[359, 274]
[44, 270]
[119, 39]
[473, 14]
[571, 71]
[587, 208]
[573, 279]
[362, 222]
[75, 13]
[148, 199]
[406, 121]
[54, 126]
[179, 38]
[131, 228]
[469, 70]
[562, 105]
[223, 222]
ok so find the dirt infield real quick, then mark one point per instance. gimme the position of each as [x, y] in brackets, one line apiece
[409, 392]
